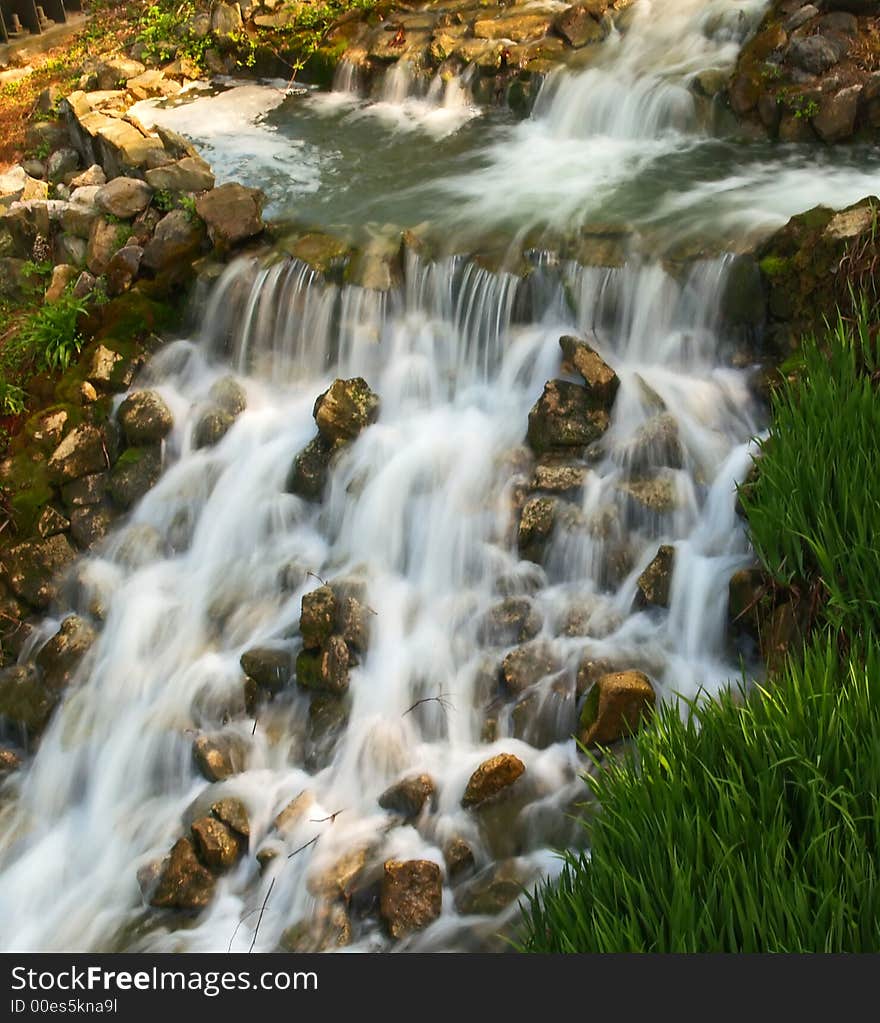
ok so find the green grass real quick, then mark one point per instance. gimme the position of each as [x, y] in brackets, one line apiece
[747, 828]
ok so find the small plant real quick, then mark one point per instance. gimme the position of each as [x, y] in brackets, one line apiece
[51, 336]
[12, 399]
[163, 200]
[188, 204]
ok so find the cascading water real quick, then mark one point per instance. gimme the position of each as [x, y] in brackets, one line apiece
[420, 514]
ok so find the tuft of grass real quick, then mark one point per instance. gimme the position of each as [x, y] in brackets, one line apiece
[814, 507]
[49, 339]
[741, 827]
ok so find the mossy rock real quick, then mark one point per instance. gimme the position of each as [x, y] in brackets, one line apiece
[135, 473]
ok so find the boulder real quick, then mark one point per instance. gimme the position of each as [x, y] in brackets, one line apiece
[61, 163]
[72, 251]
[109, 370]
[122, 269]
[327, 670]
[105, 239]
[124, 197]
[408, 796]
[116, 71]
[559, 476]
[656, 581]
[89, 526]
[9, 760]
[491, 778]
[513, 620]
[327, 929]
[77, 218]
[16, 185]
[318, 617]
[216, 845]
[152, 83]
[271, 668]
[294, 812]
[211, 427]
[92, 176]
[62, 276]
[144, 418]
[24, 700]
[338, 880]
[536, 527]
[226, 19]
[528, 664]
[51, 522]
[459, 857]
[614, 707]
[656, 443]
[176, 145]
[493, 889]
[229, 395]
[308, 474]
[85, 491]
[232, 214]
[61, 656]
[745, 591]
[345, 409]
[600, 379]
[233, 813]
[183, 883]
[191, 174]
[519, 28]
[565, 417]
[836, 119]
[411, 895]
[219, 756]
[578, 27]
[815, 54]
[82, 452]
[657, 496]
[137, 471]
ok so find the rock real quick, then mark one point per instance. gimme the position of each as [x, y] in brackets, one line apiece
[327, 670]
[338, 880]
[615, 707]
[144, 418]
[655, 582]
[345, 409]
[219, 756]
[137, 471]
[308, 474]
[85, 285]
[62, 276]
[815, 54]
[24, 700]
[744, 592]
[318, 617]
[329, 928]
[14, 279]
[514, 620]
[72, 251]
[226, 19]
[89, 526]
[152, 83]
[176, 145]
[216, 845]
[233, 813]
[536, 527]
[783, 633]
[34, 168]
[411, 897]
[61, 162]
[48, 135]
[92, 176]
[269, 667]
[407, 797]
[600, 379]
[528, 664]
[78, 217]
[459, 857]
[492, 890]
[656, 443]
[353, 623]
[16, 185]
[82, 452]
[211, 427]
[51, 522]
[579, 27]
[116, 71]
[184, 883]
[124, 197]
[191, 174]
[564, 417]
[800, 17]
[560, 477]
[836, 119]
[104, 240]
[61, 656]
[869, 8]
[229, 395]
[491, 778]
[232, 214]
[519, 28]
[294, 812]
[657, 495]
[123, 269]
[84, 491]
[109, 370]
[9, 760]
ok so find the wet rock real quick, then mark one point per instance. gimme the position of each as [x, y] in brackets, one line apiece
[217, 846]
[491, 778]
[184, 883]
[122, 269]
[116, 71]
[407, 797]
[815, 54]
[177, 239]
[61, 656]
[513, 620]
[84, 491]
[229, 395]
[656, 495]
[328, 716]
[519, 28]
[62, 276]
[579, 27]
[144, 418]
[269, 667]
[590, 670]
[656, 443]
[614, 707]
[656, 581]
[318, 617]
[81, 453]
[781, 635]
[32, 569]
[558, 476]
[136, 472]
[528, 664]
[411, 896]
[124, 197]
[745, 591]
[459, 857]
[536, 526]
[61, 162]
[211, 427]
[232, 214]
[353, 623]
[836, 119]
[9, 760]
[219, 756]
[564, 417]
[308, 474]
[24, 700]
[601, 381]
[233, 813]
[51, 522]
[338, 880]
[191, 174]
[329, 928]
[492, 890]
[294, 812]
[346, 409]
[327, 670]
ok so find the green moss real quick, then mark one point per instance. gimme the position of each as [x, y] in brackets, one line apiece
[774, 266]
[308, 670]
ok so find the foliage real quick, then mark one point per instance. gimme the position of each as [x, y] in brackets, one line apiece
[12, 398]
[740, 828]
[48, 339]
[164, 32]
[814, 508]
